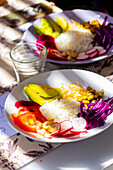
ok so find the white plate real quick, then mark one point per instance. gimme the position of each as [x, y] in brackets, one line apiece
[56, 79]
[79, 15]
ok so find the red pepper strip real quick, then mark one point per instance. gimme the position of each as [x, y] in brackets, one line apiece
[21, 111]
[22, 121]
[55, 54]
[21, 103]
[34, 109]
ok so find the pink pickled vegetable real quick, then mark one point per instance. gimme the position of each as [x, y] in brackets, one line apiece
[46, 40]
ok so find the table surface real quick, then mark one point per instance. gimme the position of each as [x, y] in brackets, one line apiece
[94, 153]
[10, 35]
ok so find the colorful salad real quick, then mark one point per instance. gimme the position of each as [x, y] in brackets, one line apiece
[62, 112]
[72, 41]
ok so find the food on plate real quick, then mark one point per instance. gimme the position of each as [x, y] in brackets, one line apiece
[62, 23]
[45, 91]
[103, 33]
[49, 27]
[76, 111]
[28, 118]
[49, 128]
[68, 106]
[94, 52]
[73, 40]
[76, 26]
[56, 54]
[94, 24]
[57, 29]
[34, 96]
[42, 94]
[47, 40]
[45, 29]
[96, 113]
[90, 95]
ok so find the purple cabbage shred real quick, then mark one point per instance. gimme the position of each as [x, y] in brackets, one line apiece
[104, 35]
[96, 113]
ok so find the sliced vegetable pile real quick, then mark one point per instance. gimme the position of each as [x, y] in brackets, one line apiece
[29, 118]
[102, 41]
[104, 35]
[49, 42]
[94, 52]
[94, 111]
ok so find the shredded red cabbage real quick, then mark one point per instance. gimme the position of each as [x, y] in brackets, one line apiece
[96, 113]
[104, 35]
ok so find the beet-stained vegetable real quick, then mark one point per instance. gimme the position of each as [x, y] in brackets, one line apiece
[47, 40]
